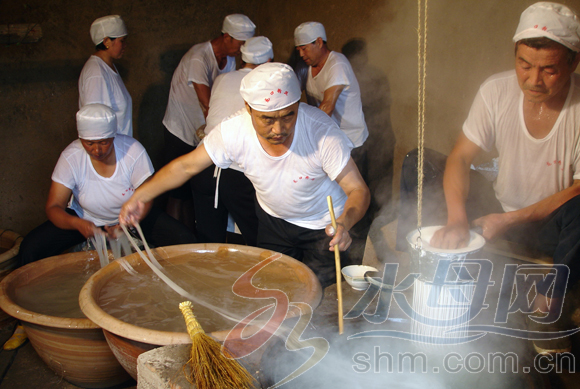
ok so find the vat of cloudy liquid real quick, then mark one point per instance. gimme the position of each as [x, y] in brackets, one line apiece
[139, 312]
[43, 295]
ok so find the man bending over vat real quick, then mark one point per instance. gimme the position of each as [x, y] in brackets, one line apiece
[294, 155]
[531, 115]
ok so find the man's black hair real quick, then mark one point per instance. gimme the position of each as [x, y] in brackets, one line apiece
[545, 43]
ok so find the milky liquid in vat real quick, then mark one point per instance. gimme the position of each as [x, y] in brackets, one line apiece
[147, 302]
[56, 292]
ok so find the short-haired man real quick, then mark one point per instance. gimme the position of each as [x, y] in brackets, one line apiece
[294, 155]
[233, 193]
[532, 117]
[191, 88]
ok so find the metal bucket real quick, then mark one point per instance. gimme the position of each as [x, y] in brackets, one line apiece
[441, 282]
[425, 258]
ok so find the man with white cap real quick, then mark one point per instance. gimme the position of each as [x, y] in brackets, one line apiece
[294, 155]
[331, 85]
[235, 193]
[532, 117]
[100, 81]
[190, 92]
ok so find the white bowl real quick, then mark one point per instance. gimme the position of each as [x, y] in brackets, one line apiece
[476, 241]
[355, 276]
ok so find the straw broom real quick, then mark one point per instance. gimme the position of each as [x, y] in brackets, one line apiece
[210, 368]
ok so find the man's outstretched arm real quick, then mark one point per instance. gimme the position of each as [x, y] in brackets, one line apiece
[456, 186]
[171, 176]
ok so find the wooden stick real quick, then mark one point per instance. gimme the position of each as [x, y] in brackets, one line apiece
[337, 265]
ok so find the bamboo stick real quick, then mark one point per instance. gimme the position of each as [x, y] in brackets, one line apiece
[337, 265]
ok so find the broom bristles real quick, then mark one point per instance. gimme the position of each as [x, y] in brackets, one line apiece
[210, 367]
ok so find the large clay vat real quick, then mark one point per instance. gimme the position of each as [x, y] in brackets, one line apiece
[74, 348]
[128, 340]
[9, 248]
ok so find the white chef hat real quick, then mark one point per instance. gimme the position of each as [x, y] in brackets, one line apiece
[239, 27]
[111, 26]
[551, 20]
[96, 121]
[308, 32]
[270, 87]
[257, 50]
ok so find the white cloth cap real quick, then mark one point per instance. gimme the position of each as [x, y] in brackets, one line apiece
[551, 20]
[308, 32]
[96, 121]
[239, 27]
[270, 87]
[111, 26]
[257, 50]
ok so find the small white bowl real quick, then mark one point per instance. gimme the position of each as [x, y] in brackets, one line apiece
[355, 274]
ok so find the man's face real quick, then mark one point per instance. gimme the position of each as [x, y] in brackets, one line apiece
[311, 53]
[99, 149]
[543, 73]
[277, 127]
[233, 45]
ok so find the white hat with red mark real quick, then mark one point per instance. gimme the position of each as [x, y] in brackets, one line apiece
[551, 20]
[270, 87]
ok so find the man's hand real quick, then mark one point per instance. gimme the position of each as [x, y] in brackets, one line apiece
[114, 231]
[85, 227]
[201, 132]
[492, 225]
[451, 237]
[132, 212]
[341, 237]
